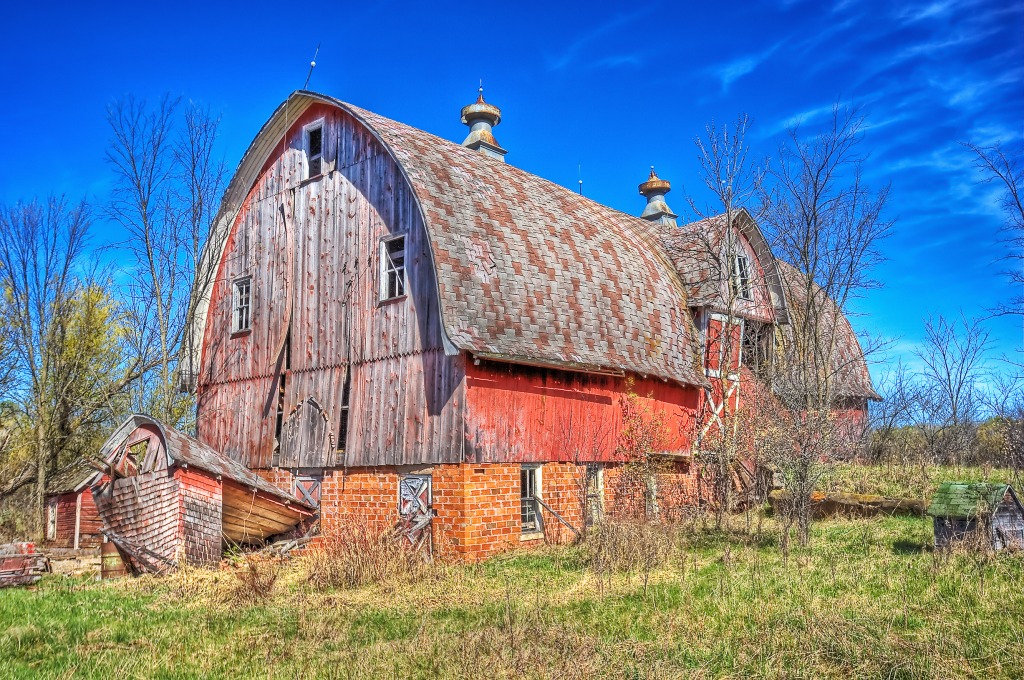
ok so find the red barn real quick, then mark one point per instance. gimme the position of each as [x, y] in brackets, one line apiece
[399, 327]
[72, 520]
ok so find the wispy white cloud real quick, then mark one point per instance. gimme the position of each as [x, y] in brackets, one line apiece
[730, 72]
[572, 53]
[915, 12]
[619, 60]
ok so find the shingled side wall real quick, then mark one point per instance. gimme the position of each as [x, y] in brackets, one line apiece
[199, 517]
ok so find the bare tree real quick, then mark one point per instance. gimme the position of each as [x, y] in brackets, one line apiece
[826, 223]
[733, 181]
[67, 364]
[954, 359]
[166, 196]
[1005, 169]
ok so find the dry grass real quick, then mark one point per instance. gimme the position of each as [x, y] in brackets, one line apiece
[356, 554]
[867, 599]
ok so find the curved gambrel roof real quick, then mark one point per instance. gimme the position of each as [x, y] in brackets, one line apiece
[527, 270]
[697, 250]
[849, 368]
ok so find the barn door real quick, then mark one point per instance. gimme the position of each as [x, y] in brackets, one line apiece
[304, 436]
[415, 511]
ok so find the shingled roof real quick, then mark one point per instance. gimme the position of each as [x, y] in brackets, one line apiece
[530, 270]
[849, 368]
[965, 500]
[183, 450]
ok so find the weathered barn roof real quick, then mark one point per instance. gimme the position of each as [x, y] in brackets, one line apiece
[696, 250]
[848, 366]
[964, 500]
[527, 270]
[72, 478]
[182, 449]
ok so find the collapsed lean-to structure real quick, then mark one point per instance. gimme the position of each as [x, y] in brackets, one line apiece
[399, 328]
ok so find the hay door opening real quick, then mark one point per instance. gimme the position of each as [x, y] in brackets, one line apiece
[415, 499]
[304, 437]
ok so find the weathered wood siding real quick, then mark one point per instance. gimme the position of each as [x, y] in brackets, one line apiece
[90, 526]
[199, 517]
[311, 247]
[1007, 524]
[518, 413]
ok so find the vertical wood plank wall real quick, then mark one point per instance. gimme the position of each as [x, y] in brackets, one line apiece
[311, 248]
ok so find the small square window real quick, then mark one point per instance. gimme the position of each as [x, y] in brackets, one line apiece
[529, 492]
[392, 268]
[741, 277]
[241, 304]
[315, 149]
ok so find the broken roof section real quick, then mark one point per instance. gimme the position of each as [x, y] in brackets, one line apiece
[176, 449]
[964, 500]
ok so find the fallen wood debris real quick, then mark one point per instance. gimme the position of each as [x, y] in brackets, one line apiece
[855, 504]
[21, 565]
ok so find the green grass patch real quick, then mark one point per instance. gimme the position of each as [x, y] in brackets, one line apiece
[868, 598]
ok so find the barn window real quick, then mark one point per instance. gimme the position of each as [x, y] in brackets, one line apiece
[529, 493]
[392, 268]
[741, 277]
[314, 148]
[595, 494]
[241, 303]
[343, 426]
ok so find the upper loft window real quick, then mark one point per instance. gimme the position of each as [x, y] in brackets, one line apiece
[241, 304]
[392, 268]
[314, 142]
[741, 277]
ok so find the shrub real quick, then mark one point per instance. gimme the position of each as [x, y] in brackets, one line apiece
[254, 579]
[355, 554]
[626, 546]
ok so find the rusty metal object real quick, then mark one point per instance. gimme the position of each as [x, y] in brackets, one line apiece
[111, 564]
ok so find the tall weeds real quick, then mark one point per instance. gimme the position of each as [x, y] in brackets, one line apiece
[355, 553]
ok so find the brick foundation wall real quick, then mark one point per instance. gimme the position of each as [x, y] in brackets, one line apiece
[477, 509]
[676, 491]
[477, 506]
[199, 517]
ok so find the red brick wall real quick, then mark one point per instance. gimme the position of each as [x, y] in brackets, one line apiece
[369, 493]
[477, 509]
[677, 490]
[477, 506]
[199, 517]
[562, 489]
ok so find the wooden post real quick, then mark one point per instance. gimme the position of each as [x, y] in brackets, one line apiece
[78, 516]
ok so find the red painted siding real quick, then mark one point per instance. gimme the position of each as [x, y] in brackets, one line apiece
[518, 413]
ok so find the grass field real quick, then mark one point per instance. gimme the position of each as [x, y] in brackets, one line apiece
[908, 481]
[867, 599]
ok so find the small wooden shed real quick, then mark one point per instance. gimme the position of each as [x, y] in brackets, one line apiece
[72, 520]
[988, 514]
[170, 499]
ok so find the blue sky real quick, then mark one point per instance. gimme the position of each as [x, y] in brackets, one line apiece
[607, 88]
